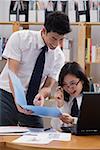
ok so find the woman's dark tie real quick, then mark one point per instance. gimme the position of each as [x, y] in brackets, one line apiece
[74, 109]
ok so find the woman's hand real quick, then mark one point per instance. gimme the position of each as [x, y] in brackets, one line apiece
[59, 97]
[66, 118]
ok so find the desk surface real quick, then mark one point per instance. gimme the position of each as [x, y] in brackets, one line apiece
[76, 143]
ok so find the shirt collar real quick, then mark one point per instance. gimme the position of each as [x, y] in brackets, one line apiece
[78, 97]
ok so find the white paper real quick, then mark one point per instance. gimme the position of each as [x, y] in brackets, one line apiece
[58, 136]
[32, 139]
[43, 138]
[6, 130]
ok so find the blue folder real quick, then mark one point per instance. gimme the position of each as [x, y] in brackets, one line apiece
[20, 99]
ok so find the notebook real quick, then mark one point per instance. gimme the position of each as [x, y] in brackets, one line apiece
[89, 118]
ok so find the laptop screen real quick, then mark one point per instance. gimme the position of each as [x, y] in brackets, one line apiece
[89, 118]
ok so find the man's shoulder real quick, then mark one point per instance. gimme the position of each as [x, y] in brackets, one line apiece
[27, 32]
[27, 35]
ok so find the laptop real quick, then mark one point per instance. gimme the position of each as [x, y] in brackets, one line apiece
[89, 118]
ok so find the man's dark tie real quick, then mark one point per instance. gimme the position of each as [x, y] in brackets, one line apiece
[74, 109]
[36, 76]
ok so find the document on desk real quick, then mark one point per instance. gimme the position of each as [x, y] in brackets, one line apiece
[13, 130]
[43, 137]
[21, 100]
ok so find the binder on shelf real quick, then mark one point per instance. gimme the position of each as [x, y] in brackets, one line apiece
[88, 51]
[93, 15]
[36, 11]
[32, 11]
[93, 59]
[18, 10]
[59, 6]
[40, 12]
[85, 12]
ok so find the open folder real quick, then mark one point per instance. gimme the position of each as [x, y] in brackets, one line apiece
[20, 99]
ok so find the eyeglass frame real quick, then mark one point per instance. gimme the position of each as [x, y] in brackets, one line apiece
[71, 84]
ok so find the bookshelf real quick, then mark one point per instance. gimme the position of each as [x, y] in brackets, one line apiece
[84, 32]
[16, 26]
[89, 26]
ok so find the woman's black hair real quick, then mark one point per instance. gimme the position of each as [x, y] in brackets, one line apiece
[75, 69]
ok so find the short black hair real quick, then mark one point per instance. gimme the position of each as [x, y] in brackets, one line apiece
[75, 69]
[57, 22]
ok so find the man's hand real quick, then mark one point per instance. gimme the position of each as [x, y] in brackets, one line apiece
[24, 111]
[59, 97]
[38, 100]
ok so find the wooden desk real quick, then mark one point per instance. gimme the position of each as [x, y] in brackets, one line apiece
[76, 143]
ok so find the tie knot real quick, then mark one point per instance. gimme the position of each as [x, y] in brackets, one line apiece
[45, 48]
[74, 100]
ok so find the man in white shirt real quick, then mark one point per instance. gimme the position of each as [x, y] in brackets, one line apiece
[21, 52]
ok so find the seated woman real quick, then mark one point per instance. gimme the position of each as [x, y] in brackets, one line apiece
[72, 82]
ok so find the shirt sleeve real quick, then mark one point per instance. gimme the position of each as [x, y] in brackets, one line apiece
[56, 123]
[12, 49]
[64, 108]
[75, 120]
[59, 62]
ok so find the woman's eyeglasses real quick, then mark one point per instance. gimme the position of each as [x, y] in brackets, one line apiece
[71, 84]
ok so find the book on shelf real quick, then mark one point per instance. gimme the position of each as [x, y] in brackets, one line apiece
[98, 54]
[88, 51]
[66, 49]
[92, 54]
[18, 10]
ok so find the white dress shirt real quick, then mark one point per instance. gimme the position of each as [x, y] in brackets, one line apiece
[66, 108]
[25, 46]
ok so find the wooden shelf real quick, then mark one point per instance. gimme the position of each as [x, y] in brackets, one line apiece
[93, 23]
[30, 23]
[93, 63]
[16, 25]
[84, 32]
[40, 23]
